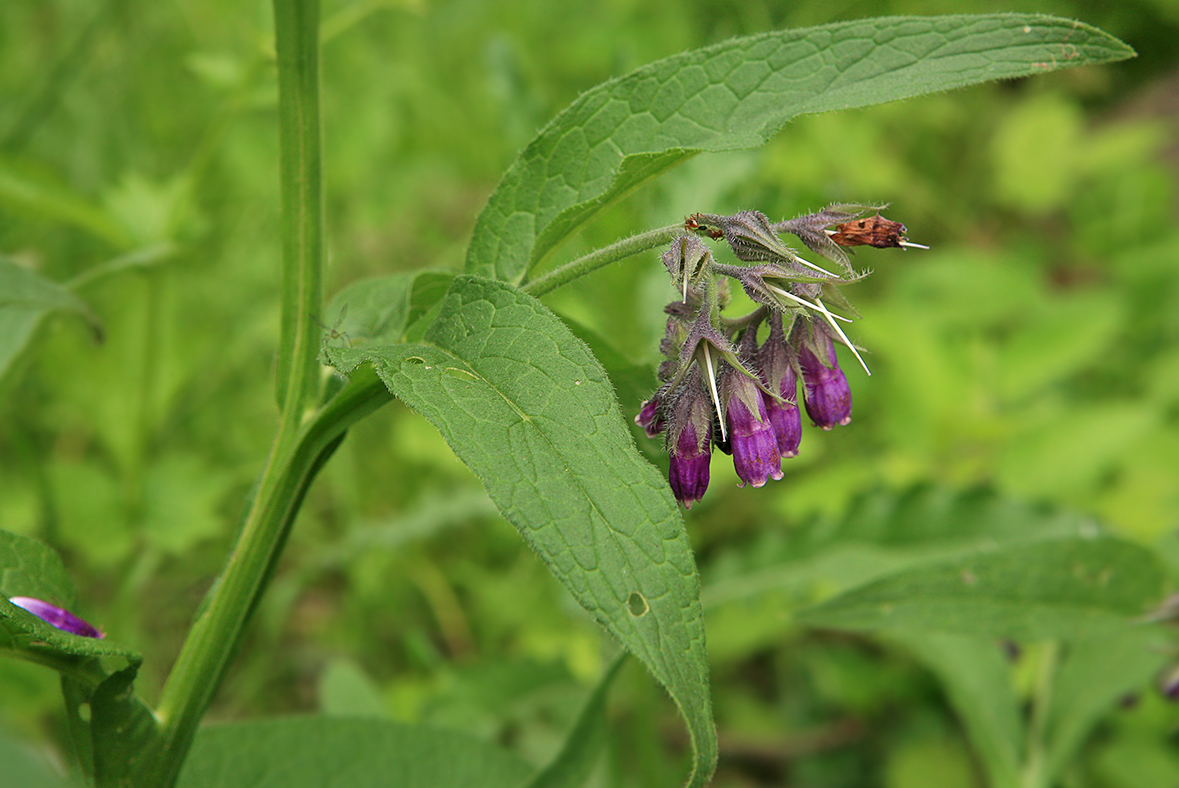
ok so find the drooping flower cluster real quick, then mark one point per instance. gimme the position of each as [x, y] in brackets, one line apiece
[719, 385]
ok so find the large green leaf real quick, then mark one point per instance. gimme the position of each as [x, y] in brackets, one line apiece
[322, 751]
[1060, 588]
[739, 93]
[525, 404]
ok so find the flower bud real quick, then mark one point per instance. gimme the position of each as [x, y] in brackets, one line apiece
[751, 436]
[775, 359]
[62, 619]
[649, 417]
[689, 440]
[826, 394]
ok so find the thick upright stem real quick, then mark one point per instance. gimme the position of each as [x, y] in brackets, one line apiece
[305, 438]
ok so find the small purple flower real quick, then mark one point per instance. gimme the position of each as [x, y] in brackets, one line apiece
[689, 441]
[774, 359]
[62, 619]
[827, 396]
[751, 436]
[649, 417]
[690, 458]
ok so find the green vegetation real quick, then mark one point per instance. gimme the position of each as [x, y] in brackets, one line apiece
[1024, 398]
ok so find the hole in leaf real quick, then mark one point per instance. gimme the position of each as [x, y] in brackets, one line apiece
[84, 712]
[415, 360]
[637, 604]
[459, 374]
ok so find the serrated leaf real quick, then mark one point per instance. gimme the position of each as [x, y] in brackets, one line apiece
[738, 94]
[529, 409]
[1065, 588]
[977, 680]
[380, 310]
[26, 298]
[320, 751]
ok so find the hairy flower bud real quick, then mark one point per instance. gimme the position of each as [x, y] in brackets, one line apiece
[686, 260]
[751, 436]
[58, 617]
[776, 360]
[689, 440]
[826, 394]
[649, 417]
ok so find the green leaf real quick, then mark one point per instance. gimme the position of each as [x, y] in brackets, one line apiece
[1095, 676]
[34, 191]
[574, 763]
[1064, 588]
[529, 409]
[319, 751]
[976, 678]
[25, 298]
[123, 730]
[379, 310]
[30, 568]
[738, 94]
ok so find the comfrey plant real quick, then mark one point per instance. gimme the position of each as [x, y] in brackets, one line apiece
[527, 405]
[719, 386]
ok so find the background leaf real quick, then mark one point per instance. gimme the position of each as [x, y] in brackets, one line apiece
[738, 94]
[1095, 677]
[529, 409]
[1066, 588]
[25, 298]
[578, 755]
[318, 751]
[975, 676]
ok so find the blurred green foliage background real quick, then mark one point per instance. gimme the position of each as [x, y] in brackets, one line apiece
[1033, 350]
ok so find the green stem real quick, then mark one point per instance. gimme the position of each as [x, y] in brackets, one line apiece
[215, 636]
[296, 31]
[627, 247]
[305, 438]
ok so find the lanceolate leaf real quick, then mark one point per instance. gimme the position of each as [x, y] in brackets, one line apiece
[1060, 588]
[738, 94]
[529, 409]
[976, 678]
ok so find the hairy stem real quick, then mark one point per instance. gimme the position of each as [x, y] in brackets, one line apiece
[305, 437]
[627, 247]
[217, 633]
